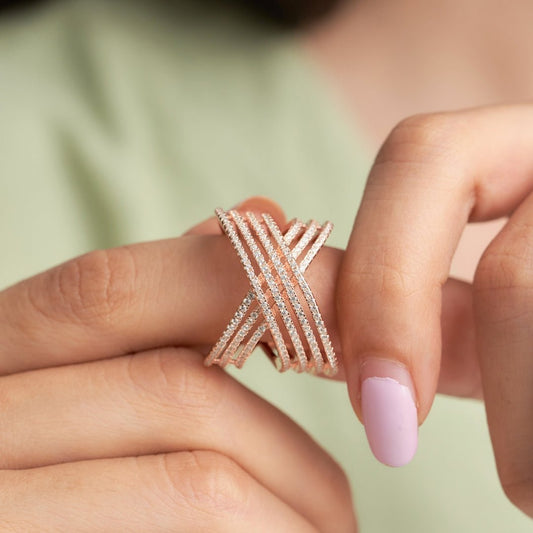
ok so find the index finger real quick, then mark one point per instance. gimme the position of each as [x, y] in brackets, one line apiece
[176, 292]
[433, 174]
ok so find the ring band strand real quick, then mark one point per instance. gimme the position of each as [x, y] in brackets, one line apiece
[256, 336]
[277, 301]
[252, 319]
[315, 248]
[259, 332]
[310, 232]
[313, 306]
[293, 298]
[331, 369]
[214, 355]
[250, 345]
[231, 232]
[291, 293]
[274, 289]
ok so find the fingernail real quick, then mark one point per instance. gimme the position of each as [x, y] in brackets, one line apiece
[389, 411]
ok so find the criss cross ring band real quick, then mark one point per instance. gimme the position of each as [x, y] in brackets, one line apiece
[279, 313]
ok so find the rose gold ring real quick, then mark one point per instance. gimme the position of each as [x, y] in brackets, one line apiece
[279, 312]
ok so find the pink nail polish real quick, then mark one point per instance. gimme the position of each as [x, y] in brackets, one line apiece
[389, 411]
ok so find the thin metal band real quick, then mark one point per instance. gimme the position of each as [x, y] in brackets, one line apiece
[256, 286]
[222, 356]
[276, 257]
[313, 306]
[271, 281]
[296, 251]
[293, 298]
[257, 334]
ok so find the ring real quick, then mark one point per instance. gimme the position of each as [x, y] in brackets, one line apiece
[279, 313]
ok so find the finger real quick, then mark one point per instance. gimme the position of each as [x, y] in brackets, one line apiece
[164, 401]
[179, 492]
[459, 373]
[111, 302]
[257, 204]
[432, 175]
[41, 327]
[117, 301]
[45, 329]
[504, 312]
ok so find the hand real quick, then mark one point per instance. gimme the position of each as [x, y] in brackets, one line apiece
[398, 311]
[107, 428]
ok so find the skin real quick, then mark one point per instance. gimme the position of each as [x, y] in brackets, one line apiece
[440, 56]
[386, 61]
[118, 438]
[126, 430]
[395, 283]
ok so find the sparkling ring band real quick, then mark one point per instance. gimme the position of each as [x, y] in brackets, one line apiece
[280, 306]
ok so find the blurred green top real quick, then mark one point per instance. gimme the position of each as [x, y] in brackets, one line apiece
[123, 121]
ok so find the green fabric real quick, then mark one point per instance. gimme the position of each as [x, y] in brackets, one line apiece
[128, 121]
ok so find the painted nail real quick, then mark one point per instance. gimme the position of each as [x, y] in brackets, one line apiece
[389, 411]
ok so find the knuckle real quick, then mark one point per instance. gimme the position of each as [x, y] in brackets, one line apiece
[96, 287]
[423, 139]
[207, 481]
[506, 263]
[175, 378]
[504, 277]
